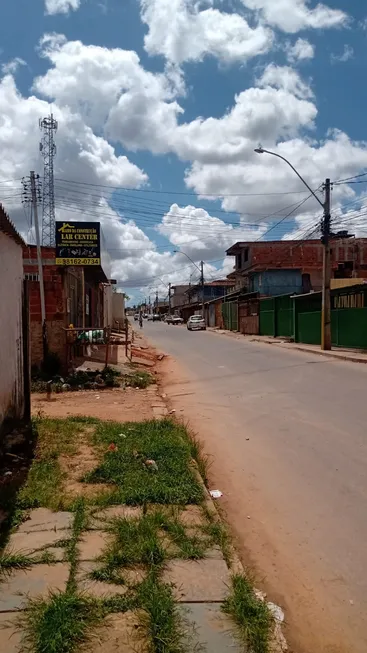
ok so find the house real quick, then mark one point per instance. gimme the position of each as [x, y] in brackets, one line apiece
[179, 297]
[294, 266]
[212, 290]
[14, 363]
[65, 304]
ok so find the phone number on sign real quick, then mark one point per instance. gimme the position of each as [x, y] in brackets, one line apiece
[78, 261]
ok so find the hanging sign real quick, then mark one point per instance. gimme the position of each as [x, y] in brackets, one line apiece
[78, 243]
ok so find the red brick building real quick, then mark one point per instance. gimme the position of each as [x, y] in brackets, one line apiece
[63, 300]
[281, 267]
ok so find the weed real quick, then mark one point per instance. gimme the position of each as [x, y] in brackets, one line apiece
[191, 548]
[167, 443]
[162, 623]
[135, 542]
[139, 379]
[82, 419]
[43, 485]
[12, 561]
[219, 535]
[72, 557]
[201, 459]
[251, 615]
[60, 623]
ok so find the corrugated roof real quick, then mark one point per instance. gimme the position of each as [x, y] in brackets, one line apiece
[7, 227]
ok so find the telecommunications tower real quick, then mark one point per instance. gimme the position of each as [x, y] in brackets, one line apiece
[48, 126]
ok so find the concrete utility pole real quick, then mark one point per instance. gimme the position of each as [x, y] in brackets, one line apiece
[169, 298]
[326, 299]
[202, 286]
[325, 230]
[39, 260]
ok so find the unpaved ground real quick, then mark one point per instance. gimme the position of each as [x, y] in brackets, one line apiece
[128, 405]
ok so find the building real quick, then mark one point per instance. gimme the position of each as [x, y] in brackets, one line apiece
[65, 302]
[212, 290]
[14, 363]
[292, 266]
[179, 296]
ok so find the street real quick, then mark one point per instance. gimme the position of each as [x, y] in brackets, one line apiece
[286, 432]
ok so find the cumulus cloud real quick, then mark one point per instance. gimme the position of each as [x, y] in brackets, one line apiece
[11, 67]
[181, 31]
[61, 6]
[294, 15]
[299, 51]
[346, 55]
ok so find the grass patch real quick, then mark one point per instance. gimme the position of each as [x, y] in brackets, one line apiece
[201, 459]
[252, 616]
[79, 523]
[139, 379]
[219, 536]
[60, 623]
[163, 624]
[45, 478]
[165, 442]
[12, 561]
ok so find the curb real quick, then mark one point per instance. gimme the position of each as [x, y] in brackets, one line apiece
[326, 354]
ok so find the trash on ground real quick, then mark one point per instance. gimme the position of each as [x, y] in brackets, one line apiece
[276, 611]
[97, 397]
[122, 435]
[112, 447]
[151, 464]
[172, 411]
[216, 494]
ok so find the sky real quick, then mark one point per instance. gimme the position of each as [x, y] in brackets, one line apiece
[160, 105]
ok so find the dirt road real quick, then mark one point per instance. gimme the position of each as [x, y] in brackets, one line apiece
[286, 432]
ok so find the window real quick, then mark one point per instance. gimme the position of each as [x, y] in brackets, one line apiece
[245, 255]
[238, 262]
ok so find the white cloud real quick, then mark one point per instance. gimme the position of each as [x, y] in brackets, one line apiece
[11, 67]
[286, 78]
[300, 50]
[346, 55]
[181, 31]
[61, 6]
[294, 15]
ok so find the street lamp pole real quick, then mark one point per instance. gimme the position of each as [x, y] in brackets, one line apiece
[201, 270]
[325, 229]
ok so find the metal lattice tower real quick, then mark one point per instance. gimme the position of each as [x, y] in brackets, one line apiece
[48, 126]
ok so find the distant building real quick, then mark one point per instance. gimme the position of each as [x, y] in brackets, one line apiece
[212, 290]
[179, 296]
[294, 266]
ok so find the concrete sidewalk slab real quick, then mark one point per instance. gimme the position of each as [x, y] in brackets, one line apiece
[10, 635]
[213, 630]
[102, 518]
[204, 580]
[120, 633]
[35, 542]
[92, 544]
[42, 519]
[34, 582]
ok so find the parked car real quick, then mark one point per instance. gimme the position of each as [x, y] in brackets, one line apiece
[136, 317]
[156, 317]
[196, 323]
[150, 317]
[176, 319]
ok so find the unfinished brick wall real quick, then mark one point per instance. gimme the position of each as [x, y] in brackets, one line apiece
[55, 304]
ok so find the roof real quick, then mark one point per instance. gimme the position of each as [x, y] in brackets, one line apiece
[268, 243]
[7, 227]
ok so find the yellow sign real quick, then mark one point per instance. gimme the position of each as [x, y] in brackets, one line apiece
[78, 243]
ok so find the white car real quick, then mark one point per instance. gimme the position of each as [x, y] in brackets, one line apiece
[176, 319]
[196, 323]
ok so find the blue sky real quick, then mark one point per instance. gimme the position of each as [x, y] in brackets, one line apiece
[180, 118]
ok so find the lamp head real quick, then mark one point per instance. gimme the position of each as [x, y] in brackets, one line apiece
[259, 150]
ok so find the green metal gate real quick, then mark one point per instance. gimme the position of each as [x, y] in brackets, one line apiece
[283, 315]
[230, 315]
[267, 317]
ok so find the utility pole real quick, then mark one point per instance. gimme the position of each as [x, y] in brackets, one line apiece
[169, 298]
[48, 126]
[39, 259]
[202, 286]
[156, 300]
[326, 302]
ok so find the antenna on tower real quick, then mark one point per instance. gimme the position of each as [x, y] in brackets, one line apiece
[48, 126]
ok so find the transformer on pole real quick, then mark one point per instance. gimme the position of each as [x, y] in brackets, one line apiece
[48, 126]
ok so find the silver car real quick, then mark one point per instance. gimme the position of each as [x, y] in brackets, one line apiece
[196, 323]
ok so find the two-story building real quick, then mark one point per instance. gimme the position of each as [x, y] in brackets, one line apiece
[212, 290]
[294, 266]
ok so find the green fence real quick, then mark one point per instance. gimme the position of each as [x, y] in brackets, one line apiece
[309, 328]
[267, 317]
[349, 327]
[230, 315]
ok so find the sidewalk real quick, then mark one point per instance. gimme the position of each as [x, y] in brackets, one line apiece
[115, 541]
[352, 355]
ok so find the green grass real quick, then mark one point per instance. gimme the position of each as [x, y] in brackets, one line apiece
[59, 623]
[79, 523]
[167, 443]
[12, 561]
[163, 625]
[219, 536]
[197, 453]
[252, 616]
[139, 379]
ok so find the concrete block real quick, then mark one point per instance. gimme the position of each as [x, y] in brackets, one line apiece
[209, 627]
[31, 583]
[99, 519]
[203, 580]
[192, 516]
[120, 633]
[34, 542]
[92, 544]
[42, 519]
[100, 589]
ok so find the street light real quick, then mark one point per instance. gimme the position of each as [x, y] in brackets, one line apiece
[201, 270]
[326, 312]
